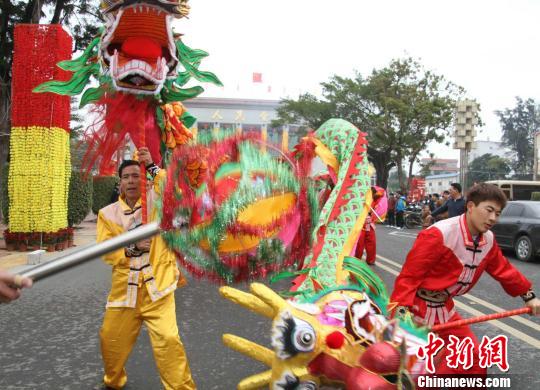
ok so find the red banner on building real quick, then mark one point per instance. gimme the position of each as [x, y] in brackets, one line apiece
[417, 189]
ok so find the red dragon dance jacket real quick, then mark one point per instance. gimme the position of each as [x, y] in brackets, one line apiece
[445, 262]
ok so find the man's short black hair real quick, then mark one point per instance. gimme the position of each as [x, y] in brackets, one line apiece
[457, 186]
[126, 163]
[446, 192]
[486, 192]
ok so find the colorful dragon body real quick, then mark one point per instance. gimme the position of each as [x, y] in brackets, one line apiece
[334, 329]
[142, 68]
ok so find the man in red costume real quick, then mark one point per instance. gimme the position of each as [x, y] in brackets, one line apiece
[368, 239]
[447, 260]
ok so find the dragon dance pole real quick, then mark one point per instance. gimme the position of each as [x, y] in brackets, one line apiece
[487, 317]
[144, 210]
[92, 252]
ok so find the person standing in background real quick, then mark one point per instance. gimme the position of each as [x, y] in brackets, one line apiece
[401, 205]
[391, 210]
[368, 238]
[455, 205]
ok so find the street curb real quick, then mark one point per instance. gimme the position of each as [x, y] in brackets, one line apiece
[46, 259]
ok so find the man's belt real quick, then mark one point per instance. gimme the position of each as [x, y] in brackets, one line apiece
[432, 296]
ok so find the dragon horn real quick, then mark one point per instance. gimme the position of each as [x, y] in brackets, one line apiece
[249, 348]
[268, 296]
[247, 300]
[257, 381]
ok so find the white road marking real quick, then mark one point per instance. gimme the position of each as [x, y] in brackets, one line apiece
[514, 332]
[399, 233]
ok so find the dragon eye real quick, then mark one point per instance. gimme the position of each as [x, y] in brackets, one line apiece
[307, 386]
[303, 337]
[292, 335]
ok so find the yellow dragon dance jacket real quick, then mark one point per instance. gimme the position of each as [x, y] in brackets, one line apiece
[157, 270]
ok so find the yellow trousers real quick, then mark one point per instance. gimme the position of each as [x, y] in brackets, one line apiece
[120, 330]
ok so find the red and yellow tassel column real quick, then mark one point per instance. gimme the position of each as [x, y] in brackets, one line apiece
[40, 165]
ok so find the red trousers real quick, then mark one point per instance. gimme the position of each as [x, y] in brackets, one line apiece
[367, 241]
[460, 332]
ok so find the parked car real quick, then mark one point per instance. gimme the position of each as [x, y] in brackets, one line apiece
[519, 228]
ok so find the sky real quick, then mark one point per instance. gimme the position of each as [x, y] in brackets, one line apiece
[491, 48]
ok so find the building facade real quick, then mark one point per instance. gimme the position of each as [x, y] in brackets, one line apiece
[439, 183]
[245, 114]
[440, 166]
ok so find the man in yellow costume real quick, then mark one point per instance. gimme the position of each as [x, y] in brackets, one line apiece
[145, 276]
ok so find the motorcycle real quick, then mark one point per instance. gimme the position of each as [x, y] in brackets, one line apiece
[412, 216]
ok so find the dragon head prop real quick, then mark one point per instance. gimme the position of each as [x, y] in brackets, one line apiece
[139, 48]
[341, 337]
[137, 53]
[142, 68]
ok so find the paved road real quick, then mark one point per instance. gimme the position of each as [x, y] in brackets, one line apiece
[49, 339]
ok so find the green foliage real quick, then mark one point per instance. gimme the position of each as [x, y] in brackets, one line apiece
[519, 124]
[425, 168]
[80, 17]
[402, 107]
[307, 111]
[535, 196]
[79, 198]
[393, 181]
[4, 196]
[103, 190]
[488, 167]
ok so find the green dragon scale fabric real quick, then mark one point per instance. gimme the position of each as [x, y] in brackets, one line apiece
[342, 210]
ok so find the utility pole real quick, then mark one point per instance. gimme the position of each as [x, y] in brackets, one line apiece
[464, 134]
[536, 172]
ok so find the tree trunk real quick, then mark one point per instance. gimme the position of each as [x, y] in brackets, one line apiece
[58, 11]
[399, 164]
[36, 11]
[382, 164]
[411, 164]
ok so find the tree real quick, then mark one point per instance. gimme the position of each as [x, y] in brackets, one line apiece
[77, 147]
[488, 167]
[418, 106]
[79, 198]
[519, 124]
[307, 111]
[425, 167]
[393, 182]
[402, 107]
[81, 17]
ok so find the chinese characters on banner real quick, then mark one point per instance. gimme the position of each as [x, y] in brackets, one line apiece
[492, 351]
[417, 189]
